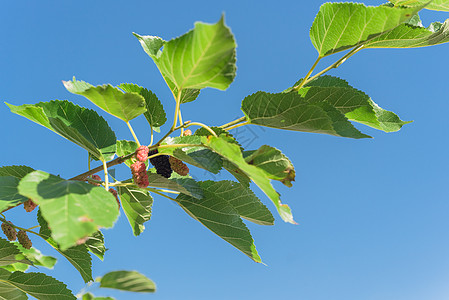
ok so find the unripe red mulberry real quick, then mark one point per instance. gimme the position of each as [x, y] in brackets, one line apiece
[161, 163]
[178, 166]
[140, 175]
[24, 240]
[29, 205]
[9, 231]
[187, 132]
[114, 192]
[95, 177]
[142, 153]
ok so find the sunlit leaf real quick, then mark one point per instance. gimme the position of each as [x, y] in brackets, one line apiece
[441, 5]
[136, 204]
[79, 125]
[125, 106]
[73, 209]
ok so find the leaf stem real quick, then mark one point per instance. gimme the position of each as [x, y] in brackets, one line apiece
[239, 120]
[238, 125]
[175, 146]
[152, 135]
[178, 104]
[334, 65]
[163, 195]
[37, 226]
[133, 133]
[204, 126]
[106, 177]
[180, 122]
[296, 88]
[162, 190]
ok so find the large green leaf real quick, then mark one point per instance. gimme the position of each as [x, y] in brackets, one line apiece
[441, 5]
[273, 162]
[203, 57]
[7, 291]
[241, 198]
[130, 281]
[73, 209]
[292, 111]
[155, 113]
[38, 285]
[232, 152]
[136, 204]
[221, 217]
[125, 106]
[80, 125]
[412, 36]
[78, 255]
[10, 254]
[353, 103]
[340, 26]
[15, 171]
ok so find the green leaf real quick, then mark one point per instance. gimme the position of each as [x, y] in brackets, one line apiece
[130, 281]
[125, 148]
[136, 204]
[184, 185]
[203, 57]
[10, 254]
[15, 171]
[236, 172]
[441, 5]
[197, 156]
[340, 26]
[73, 209]
[125, 106]
[155, 113]
[95, 244]
[353, 103]
[217, 214]
[40, 286]
[233, 153]
[78, 255]
[36, 257]
[291, 111]
[80, 125]
[9, 292]
[9, 195]
[187, 95]
[241, 198]
[276, 165]
[412, 36]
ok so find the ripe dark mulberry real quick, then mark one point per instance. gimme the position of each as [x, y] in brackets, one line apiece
[29, 205]
[140, 175]
[161, 163]
[142, 153]
[9, 231]
[24, 240]
[178, 166]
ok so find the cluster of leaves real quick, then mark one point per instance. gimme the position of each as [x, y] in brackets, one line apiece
[72, 211]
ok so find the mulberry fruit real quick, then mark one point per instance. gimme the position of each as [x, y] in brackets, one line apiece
[187, 132]
[114, 192]
[95, 177]
[24, 240]
[29, 205]
[161, 163]
[140, 175]
[142, 153]
[178, 166]
[9, 231]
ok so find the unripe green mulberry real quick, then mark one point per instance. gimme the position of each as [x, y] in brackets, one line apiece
[24, 240]
[9, 231]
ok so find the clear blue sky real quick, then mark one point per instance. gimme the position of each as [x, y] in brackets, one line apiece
[373, 214]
